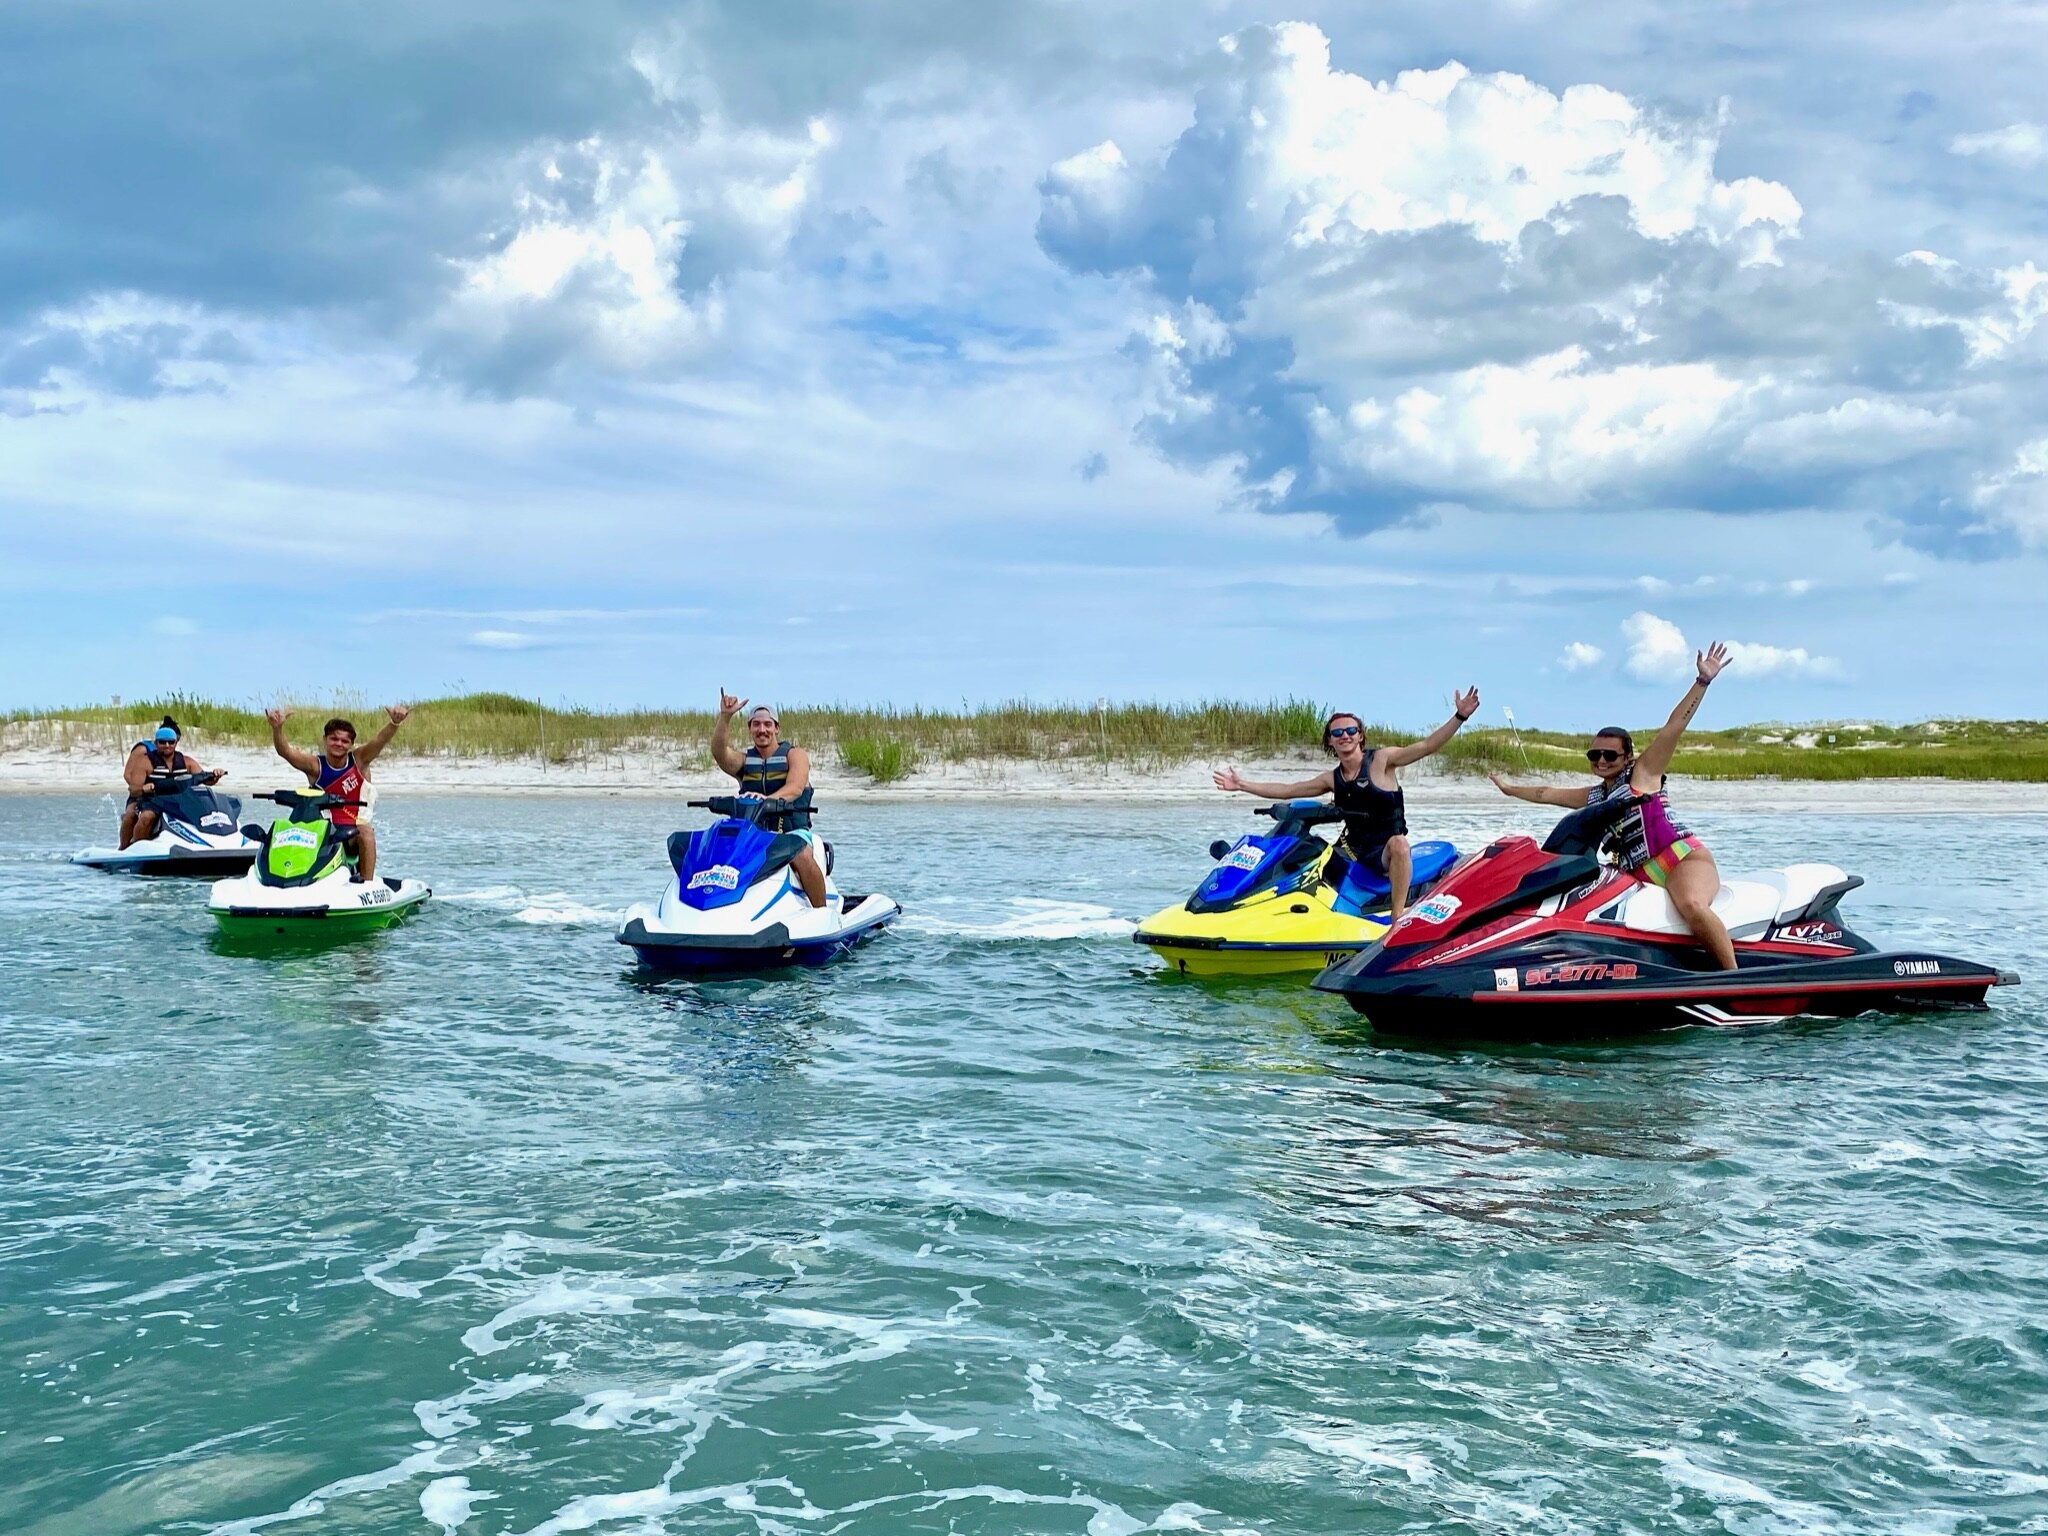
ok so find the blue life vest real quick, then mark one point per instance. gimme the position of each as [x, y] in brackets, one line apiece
[765, 775]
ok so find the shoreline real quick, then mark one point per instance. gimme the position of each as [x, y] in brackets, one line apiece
[637, 775]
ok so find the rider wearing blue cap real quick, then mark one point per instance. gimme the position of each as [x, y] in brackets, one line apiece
[159, 754]
[773, 769]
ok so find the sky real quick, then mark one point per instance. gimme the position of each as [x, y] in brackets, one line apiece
[922, 353]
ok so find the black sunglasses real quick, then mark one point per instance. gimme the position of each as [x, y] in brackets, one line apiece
[1602, 755]
[1343, 730]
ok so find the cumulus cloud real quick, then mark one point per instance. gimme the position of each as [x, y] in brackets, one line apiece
[1659, 652]
[1374, 296]
[617, 254]
[1579, 655]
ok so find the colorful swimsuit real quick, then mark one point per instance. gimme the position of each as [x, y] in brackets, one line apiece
[1648, 842]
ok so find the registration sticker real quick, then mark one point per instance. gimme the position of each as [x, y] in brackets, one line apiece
[1438, 909]
[1246, 857]
[723, 876]
[1504, 979]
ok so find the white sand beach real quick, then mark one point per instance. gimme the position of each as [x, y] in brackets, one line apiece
[39, 768]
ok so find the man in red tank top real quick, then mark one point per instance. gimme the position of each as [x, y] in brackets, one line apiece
[342, 769]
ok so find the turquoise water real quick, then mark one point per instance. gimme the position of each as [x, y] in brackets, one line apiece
[992, 1229]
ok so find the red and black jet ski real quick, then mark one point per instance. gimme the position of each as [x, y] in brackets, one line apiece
[1533, 942]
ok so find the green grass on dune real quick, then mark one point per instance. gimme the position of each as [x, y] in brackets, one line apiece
[890, 744]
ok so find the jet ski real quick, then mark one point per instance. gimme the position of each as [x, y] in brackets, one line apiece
[735, 905]
[304, 882]
[1277, 903]
[197, 831]
[1543, 942]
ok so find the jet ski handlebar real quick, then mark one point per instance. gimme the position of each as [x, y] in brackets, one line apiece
[1302, 813]
[308, 800]
[172, 781]
[756, 808]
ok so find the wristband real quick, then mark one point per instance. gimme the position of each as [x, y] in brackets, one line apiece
[1461, 718]
[1704, 682]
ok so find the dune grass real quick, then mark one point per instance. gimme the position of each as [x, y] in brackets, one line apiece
[889, 744]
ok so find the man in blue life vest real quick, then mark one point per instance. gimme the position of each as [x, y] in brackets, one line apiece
[773, 769]
[342, 769]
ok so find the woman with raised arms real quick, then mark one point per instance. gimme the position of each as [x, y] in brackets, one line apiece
[1652, 846]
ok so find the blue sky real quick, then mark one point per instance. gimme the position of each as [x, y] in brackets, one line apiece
[924, 352]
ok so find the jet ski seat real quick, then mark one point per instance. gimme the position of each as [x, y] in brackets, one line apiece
[1748, 905]
[1360, 890]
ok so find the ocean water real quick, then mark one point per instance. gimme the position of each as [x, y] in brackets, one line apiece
[466, 1228]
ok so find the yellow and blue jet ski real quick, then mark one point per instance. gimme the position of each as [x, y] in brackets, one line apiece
[1276, 901]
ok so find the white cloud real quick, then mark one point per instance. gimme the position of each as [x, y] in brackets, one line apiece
[1553, 431]
[1315, 156]
[1579, 655]
[1656, 648]
[1659, 652]
[2020, 144]
[1857, 433]
[503, 639]
[619, 254]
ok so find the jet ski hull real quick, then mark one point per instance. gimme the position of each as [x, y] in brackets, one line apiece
[1538, 997]
[246, 910]
[177, 861]
[1270, 910]
[774, 947]
[1523, 944]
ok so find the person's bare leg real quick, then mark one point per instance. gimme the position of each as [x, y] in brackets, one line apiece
[1400, 865]
[366, 852]
[129, 816]
[1692, 888]
[810, 876]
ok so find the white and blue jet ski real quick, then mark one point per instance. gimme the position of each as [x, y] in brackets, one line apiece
[735, 904]
[198, 832]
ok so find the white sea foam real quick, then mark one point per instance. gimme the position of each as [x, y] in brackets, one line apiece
[546, 908]
[445, 1416]
[560, 1298]
[889, 1431]
[433, 1459]
[1721, 1488]
[1388, 1450]
[449, 1501]
[422, 1241]
[204, 1171]
[1030, 918]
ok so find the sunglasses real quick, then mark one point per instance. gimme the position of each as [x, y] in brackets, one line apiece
[1602, 755]
[1343, 730]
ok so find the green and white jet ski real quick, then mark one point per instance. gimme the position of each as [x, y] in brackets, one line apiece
[303, 883]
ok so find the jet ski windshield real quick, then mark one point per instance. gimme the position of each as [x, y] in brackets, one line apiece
[187, 800]
[716, 865]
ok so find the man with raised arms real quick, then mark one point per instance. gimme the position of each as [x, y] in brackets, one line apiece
[342, 769]
[774, 770]
[1364, 787]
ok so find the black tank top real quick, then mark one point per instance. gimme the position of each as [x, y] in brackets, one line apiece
[1371, 815]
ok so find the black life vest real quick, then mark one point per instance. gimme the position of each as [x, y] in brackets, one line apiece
[1372, 815]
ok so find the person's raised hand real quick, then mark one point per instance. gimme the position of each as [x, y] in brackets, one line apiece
[1227, 779]
[398, 713]
[1711, 661]
[1466, 704]
[1500, 783]
[277, 716]
[729, 704]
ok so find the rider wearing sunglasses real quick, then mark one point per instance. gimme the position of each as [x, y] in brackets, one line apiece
[1364, 787]
[1649, 843]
